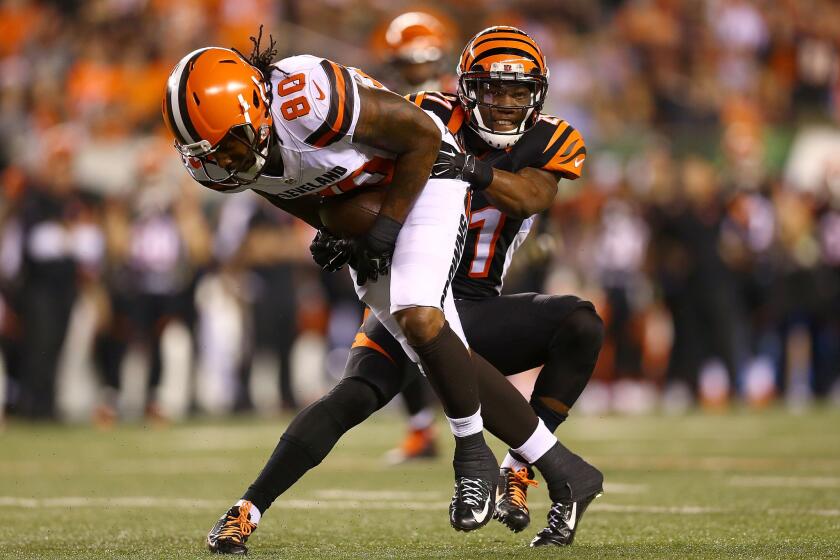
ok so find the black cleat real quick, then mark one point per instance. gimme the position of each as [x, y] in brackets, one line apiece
[230, 532]
[563, 521]
[472, 504]
[512, 498]
[476, 471]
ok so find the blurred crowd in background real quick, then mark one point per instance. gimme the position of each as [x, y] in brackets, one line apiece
[706, 227]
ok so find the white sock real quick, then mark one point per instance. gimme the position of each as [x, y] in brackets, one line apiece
[462, 427]
[510, 463]
[537, 445]
[255, 513]
[422, 420]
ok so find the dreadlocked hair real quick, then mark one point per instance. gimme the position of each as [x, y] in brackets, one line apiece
[261, 59]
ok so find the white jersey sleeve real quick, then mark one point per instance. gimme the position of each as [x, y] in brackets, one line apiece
[316, 100]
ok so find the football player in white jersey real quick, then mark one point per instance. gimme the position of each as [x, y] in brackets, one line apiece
[306, 127]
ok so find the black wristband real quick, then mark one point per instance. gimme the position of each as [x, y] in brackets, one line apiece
[383, 234]
[480, 173]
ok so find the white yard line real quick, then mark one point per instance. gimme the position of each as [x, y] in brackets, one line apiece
[378, 495]
[786, 481]
[712, 463]
[382, 504]
[388, 495]
[676, 510]
[818, 512]
[125, 502]
[625, 488]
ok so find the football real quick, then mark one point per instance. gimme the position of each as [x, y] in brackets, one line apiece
[352, 214]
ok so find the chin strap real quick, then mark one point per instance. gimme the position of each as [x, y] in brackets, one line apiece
[496, 140]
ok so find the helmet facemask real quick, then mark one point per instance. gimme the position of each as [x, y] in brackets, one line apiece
[236, 161]
[480, 89]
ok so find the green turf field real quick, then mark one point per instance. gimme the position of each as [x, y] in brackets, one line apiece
[740, 485]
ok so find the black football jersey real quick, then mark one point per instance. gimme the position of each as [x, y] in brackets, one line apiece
[493, 237]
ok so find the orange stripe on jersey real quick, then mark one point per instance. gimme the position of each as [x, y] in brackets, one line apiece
[363, 341]
[557, 133]
[364, 74]
[342, 104]
[568, 161]
[456, 120]
[383, 167]
[338, 91]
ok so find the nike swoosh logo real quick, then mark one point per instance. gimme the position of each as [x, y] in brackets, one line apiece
[484, 513]
[579, 162]
[572, 520]
[320, 95]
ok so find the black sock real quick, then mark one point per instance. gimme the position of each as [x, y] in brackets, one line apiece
[474, 458]
[416, 395]
[289, 461]
[450, 370]
[567, 475]
[311, 436]
[505, 412]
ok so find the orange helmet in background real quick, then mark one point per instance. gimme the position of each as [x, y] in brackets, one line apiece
[414, 37]
[211, 95]
[501, 55]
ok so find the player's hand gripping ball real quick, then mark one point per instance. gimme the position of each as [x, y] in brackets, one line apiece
[329, 252]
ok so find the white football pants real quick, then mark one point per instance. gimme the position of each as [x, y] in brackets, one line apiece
[426, 257]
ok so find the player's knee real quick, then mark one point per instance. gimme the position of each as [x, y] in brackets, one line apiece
[581, 331]
[318, 427]
[420, 324]
[351, 402]
[586, 328]
[378, 370]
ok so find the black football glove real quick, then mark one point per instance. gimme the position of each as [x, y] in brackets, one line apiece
[329, 252]
[451, 164]
[372, 252]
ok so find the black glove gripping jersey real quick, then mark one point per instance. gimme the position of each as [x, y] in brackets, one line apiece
[551, 144]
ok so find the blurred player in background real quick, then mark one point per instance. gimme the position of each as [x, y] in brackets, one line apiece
[305, 127]
[516, 179]
[156, 243]
[417, 48]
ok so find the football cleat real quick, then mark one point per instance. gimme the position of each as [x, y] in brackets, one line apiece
[472, 504]
[512, 498]
[418, 444]
[563, 521]
[230, 532]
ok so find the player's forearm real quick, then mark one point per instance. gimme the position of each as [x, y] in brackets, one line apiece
[411, 172]
[389, 122]
[522, 194]
[304, 207]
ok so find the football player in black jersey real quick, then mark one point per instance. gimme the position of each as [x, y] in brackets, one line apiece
[515, 158]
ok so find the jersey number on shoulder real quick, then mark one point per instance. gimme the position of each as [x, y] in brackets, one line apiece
[489, 221]
[297, 106]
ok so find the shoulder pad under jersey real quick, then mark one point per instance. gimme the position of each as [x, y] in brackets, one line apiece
[444, 105]
[554, 145]
[316, 100]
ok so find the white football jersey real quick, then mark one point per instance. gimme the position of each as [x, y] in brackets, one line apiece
[315, 108]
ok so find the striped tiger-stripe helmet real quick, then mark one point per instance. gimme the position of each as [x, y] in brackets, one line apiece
[214, 97]
[491, 65]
